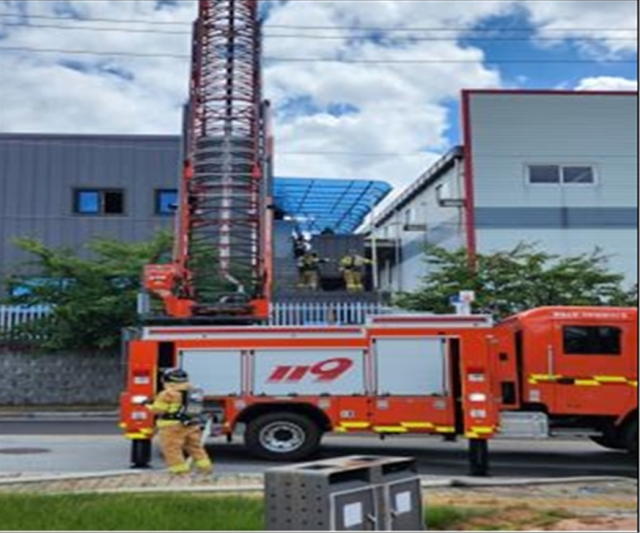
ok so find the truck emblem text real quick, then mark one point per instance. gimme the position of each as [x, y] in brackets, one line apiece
[329, 370]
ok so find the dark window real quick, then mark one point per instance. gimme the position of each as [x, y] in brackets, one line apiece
[578, 174]
[166, 201]
[592, 340]
[544, 174]
[99, 201]
[561, 175]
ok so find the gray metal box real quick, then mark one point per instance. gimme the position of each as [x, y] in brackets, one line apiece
[353, 493]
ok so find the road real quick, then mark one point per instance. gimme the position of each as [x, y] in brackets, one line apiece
[37, 446]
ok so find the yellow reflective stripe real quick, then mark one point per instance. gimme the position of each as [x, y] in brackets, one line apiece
[340, 430]
[167, 423]
[417, 425]
[544, 377]
[160, 406]
[136, 436]
[482, 430]
[471, 435]
[587, 382]
[355, 425]
[633, 383]
[610, 379]
[390, 429]
[445, 429]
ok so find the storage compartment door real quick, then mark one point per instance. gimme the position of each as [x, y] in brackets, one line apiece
[411, 367]
[218, 372]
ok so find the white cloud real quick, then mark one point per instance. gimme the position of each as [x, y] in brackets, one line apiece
[399, 109]
[607, 83]
[603, 22]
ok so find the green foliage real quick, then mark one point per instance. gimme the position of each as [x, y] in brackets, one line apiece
[445, 517]
[91, 299]
[130, 512]
[516, 280]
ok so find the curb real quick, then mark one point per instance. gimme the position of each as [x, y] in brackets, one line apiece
[20, 416]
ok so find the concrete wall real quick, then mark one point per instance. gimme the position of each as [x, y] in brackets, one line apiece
[64, 379]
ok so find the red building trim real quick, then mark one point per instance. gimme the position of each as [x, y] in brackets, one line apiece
[469, 191]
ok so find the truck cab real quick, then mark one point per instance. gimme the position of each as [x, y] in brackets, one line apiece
[578, 366]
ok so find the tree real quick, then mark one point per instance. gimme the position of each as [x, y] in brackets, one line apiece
[516, 280]
[92, 299]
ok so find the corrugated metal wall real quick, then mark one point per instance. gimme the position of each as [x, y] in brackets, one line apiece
[510, 131]
[39, 173]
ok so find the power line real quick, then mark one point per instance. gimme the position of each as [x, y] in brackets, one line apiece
[82, 141]
[319, 37]
[333, 60]
[304, 28]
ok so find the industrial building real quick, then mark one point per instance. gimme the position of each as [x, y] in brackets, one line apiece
[64, 190]
[549, 167]
[555, 168]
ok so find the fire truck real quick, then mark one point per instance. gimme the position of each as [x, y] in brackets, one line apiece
[541, 373]
[547, 372]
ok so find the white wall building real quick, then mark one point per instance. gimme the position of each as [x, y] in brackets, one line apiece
[555, 168]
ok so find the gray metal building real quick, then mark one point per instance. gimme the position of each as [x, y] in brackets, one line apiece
[66, 189]
[555, 168]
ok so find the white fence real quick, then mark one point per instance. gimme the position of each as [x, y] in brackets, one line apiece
[12, 316]
[282, 313]
[321, 313]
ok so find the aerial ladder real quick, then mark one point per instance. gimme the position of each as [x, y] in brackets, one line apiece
[220, 268]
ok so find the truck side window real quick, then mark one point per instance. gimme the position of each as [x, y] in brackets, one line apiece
[592, 340]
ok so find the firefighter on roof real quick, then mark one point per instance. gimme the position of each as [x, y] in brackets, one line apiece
[179, 423]
[309, 271]
[352, 268]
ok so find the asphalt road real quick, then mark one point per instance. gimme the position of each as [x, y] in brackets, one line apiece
[37, 446]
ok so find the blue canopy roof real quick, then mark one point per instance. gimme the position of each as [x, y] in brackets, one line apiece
[318, 204]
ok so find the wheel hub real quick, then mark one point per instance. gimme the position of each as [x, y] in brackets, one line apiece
[282, 437]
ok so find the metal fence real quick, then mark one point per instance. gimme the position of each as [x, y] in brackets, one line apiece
[12, 316]
[282, 314]
[322, 313]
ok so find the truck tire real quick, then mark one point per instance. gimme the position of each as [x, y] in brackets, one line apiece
[140, 453]
[631, 437]
[282, 436]
[609, 442]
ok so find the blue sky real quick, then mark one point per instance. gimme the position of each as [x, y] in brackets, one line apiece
[382, 118]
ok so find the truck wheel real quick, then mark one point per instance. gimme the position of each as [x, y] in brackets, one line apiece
[609, 442]
[282, 436]
[631, 437]
[140, 453]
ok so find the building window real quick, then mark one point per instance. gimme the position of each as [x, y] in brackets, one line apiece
[561, 175]
[166, 201]
[98, 202]
[592, 340]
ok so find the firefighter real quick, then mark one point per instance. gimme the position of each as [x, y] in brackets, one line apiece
[179, 425]
[352, 268]
[309, 271]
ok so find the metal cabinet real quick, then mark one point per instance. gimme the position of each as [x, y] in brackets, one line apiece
[353, 493]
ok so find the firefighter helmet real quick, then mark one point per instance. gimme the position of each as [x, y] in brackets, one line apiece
[175, 375]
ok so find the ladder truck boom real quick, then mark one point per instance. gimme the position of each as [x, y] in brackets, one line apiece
[220, 265]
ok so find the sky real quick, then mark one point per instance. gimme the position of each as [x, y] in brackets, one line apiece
[382, 104]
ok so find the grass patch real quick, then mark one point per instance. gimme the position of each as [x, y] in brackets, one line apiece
[212, 512]
[133, 512]
[449, 518]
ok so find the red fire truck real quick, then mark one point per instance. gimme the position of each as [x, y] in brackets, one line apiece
[542, 373]
[537, 374]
